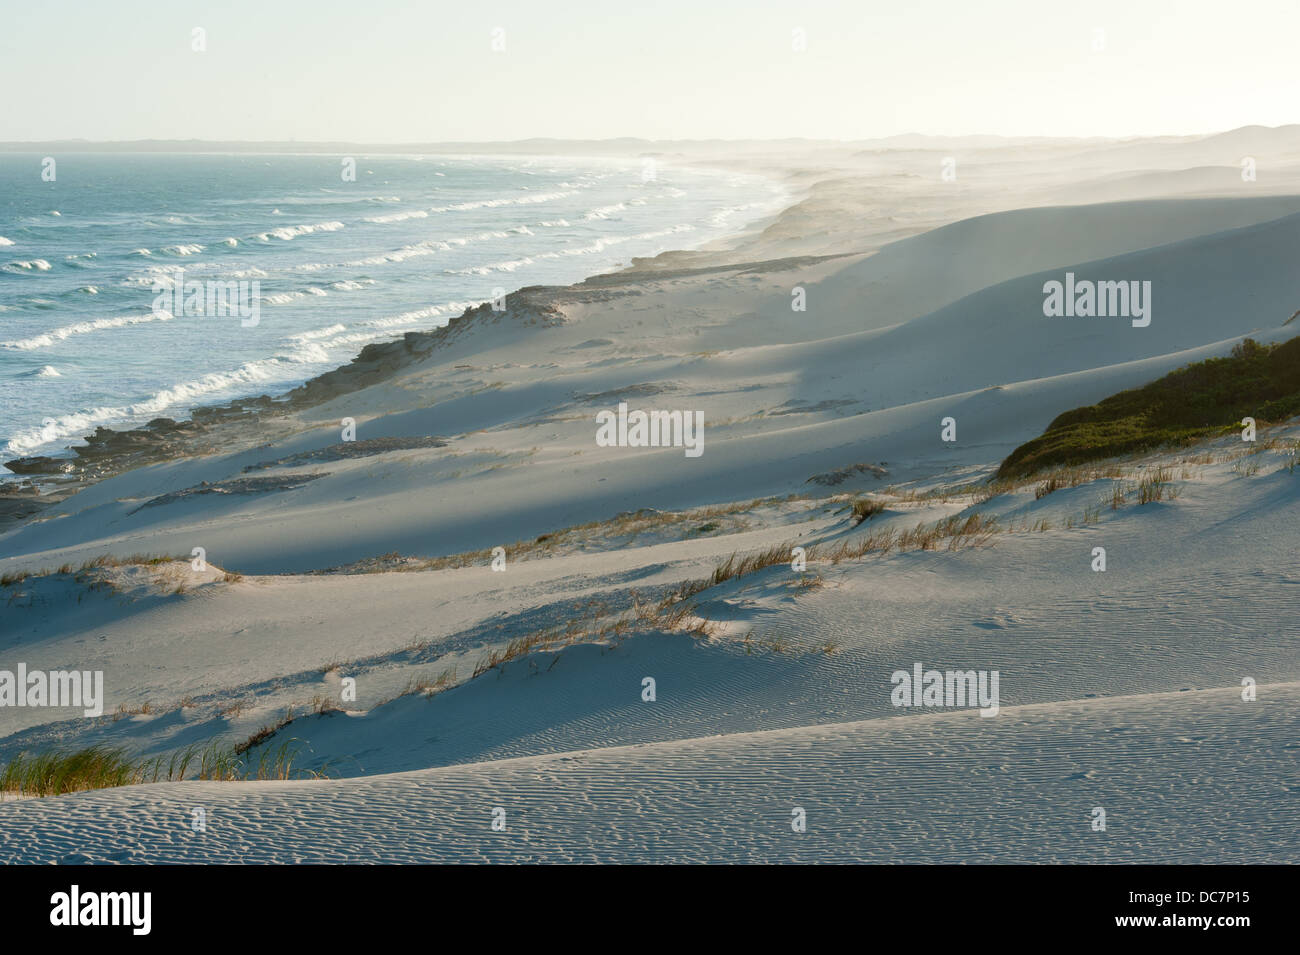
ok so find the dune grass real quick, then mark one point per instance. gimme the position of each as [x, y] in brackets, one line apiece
[58, 772]
[96, 574]
[55, 773]
[1203, 400]
[865, 508]
[626, 527]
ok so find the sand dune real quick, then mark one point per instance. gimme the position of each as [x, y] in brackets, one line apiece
[933, 789]
[1119, 689]
[522, 409]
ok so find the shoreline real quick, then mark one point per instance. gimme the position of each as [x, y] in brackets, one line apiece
[839, 201]
[36, 482]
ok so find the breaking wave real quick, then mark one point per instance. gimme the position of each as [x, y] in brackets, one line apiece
[46, 339]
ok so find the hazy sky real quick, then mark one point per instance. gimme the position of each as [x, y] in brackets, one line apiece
[391, 71]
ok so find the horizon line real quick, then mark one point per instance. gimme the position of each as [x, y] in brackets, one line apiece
[616, 140]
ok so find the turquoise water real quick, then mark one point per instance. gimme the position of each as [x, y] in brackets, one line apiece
[406, 246]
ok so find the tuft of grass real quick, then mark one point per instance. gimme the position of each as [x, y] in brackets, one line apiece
[322, 705]
[265, 733]
[1155, 485]
[145, 560]
[58, 772]
[1047, 487]
[1117, 497]
[738, 566]
[956, 532]
[1202, 400]
[865, 508]
[431, 686]
[143, 709]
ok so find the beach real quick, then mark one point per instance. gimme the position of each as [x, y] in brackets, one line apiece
[427, 575]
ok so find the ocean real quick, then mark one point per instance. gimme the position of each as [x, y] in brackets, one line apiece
[336, 263]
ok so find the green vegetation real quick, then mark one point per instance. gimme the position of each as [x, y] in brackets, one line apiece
[54, 773]
[1203, 400]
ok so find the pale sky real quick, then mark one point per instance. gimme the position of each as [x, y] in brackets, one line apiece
[407, 71]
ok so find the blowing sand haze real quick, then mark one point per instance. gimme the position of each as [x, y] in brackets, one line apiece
[834, 451]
